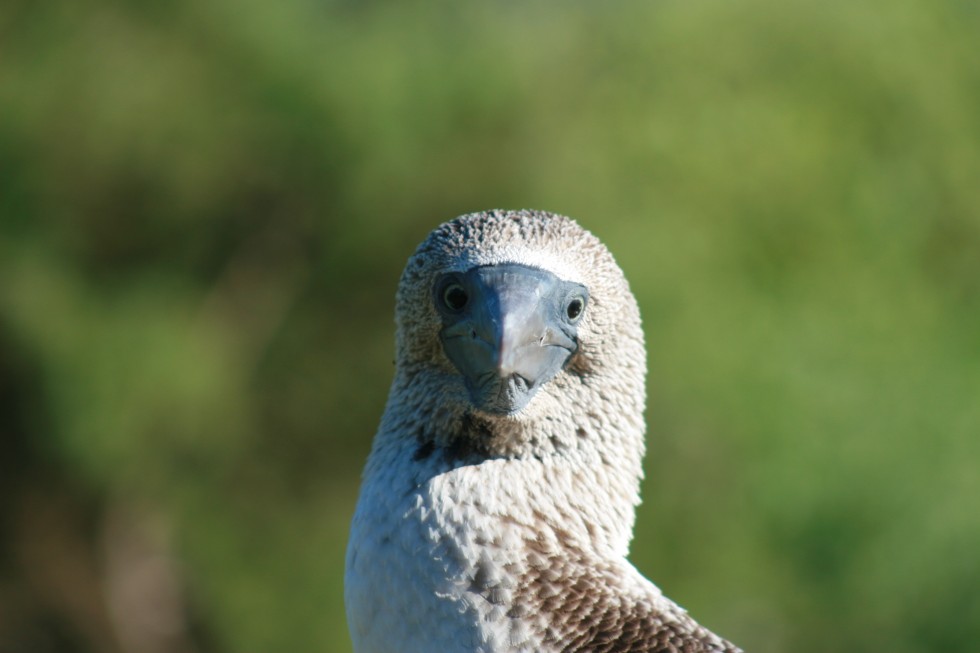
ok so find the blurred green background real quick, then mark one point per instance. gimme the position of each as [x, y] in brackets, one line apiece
[205, 207]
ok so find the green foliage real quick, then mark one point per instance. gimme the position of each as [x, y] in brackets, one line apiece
[204, 209]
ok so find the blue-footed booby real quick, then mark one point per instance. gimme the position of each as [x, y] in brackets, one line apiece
[498, 500]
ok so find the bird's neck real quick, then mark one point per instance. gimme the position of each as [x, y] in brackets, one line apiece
[574, 478]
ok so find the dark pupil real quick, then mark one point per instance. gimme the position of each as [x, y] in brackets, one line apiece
[455, 297]
[574, 309]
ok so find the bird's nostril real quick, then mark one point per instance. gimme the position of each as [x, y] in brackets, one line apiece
[519, 382]
[473, 334]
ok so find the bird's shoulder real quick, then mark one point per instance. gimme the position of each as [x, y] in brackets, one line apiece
[606, 606]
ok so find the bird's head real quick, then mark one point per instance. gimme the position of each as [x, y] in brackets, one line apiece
[503, 315]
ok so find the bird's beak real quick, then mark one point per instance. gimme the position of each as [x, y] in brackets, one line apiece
[512, 336]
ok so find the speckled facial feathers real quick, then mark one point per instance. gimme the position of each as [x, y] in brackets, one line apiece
[479, 532]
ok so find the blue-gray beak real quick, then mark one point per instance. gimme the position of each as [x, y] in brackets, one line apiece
[508, 329]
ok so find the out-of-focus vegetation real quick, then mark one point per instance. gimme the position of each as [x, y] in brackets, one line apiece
[205, 206]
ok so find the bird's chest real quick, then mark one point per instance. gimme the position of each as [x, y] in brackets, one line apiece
[433, 568]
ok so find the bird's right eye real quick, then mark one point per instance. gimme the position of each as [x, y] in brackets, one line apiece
[454, 297]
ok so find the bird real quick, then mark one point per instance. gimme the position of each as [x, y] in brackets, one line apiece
[498, 500]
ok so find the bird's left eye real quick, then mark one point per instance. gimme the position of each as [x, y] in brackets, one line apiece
[574, 308]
